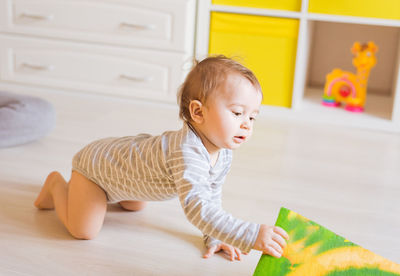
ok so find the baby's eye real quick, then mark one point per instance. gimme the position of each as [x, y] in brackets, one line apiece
[252, 118]
[237, 114]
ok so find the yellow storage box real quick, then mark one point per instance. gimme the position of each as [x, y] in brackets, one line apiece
[289, 5]
[266, 45]
[386, 9]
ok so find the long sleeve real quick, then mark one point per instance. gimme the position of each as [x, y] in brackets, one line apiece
[199, 190]
[210, 241]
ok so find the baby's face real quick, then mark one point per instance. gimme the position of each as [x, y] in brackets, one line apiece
[230, 112]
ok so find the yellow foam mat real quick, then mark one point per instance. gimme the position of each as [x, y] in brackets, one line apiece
[314, 250]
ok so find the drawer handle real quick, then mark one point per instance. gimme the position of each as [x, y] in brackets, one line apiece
[37, 16]
[38, 67]
[136, 79]
[138, 26]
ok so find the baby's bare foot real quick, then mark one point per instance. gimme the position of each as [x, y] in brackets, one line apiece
[45, 199]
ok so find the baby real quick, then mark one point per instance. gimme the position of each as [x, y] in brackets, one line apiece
[218, 101]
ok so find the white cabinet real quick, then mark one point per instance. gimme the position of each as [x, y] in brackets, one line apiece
[125, 48]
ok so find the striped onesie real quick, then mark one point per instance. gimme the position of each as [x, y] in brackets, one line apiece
[176, 163]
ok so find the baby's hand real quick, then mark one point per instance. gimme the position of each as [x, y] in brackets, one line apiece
[271, 240]
[233, 252]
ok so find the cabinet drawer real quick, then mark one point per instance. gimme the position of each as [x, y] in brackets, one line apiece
[387, 9]
[289, 5]
[267, 45]
[167, 25]
[132, 73]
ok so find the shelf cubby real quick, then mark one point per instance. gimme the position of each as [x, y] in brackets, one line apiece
[329, 47]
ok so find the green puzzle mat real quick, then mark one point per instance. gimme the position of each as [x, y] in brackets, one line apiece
[314, 250]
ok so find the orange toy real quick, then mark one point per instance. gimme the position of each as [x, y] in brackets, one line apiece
[348, 88]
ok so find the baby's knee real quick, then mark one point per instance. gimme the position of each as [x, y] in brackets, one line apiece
[83, 234]
[132, 205]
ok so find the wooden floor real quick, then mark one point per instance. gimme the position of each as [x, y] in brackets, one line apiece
[347, 180]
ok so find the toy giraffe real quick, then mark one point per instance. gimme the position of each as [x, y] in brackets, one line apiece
[346, 87]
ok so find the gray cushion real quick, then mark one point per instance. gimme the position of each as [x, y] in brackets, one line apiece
[23, 119]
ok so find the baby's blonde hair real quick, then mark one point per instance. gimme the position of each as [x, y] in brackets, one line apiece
[205, 77]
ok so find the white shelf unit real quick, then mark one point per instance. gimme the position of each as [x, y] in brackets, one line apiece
[382, 112]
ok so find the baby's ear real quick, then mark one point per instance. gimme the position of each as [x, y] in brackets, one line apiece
[196, 111]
